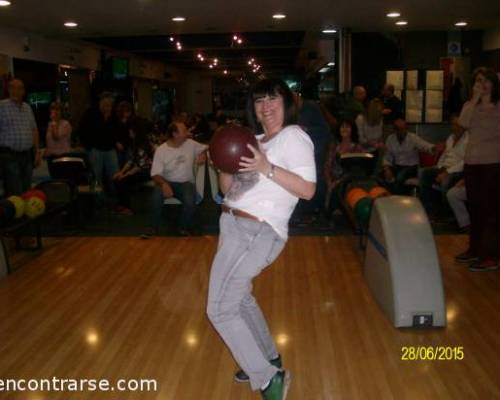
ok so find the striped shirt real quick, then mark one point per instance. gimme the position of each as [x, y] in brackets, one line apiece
[16, 125]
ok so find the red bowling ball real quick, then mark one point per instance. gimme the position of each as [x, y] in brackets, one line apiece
[229, 144]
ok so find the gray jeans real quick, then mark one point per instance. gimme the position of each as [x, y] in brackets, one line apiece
[246, 247]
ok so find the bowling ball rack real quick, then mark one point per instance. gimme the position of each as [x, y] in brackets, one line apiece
[16, 229]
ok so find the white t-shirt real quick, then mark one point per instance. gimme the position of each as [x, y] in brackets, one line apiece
[176, 164]
[291, 149]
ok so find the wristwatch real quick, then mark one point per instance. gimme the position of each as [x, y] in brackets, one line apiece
[270, 174]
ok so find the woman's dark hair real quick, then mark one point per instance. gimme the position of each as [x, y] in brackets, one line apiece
[271, 87]
[491, 76]
[354, 130]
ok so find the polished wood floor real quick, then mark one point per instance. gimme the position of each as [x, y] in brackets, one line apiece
[125, 308]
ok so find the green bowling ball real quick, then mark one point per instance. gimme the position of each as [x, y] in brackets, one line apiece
[362, 210]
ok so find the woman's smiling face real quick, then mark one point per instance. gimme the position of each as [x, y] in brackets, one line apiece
[270, 112]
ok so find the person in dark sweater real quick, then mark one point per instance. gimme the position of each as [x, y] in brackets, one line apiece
[98, 133]
[312, 121]
[135, 172]
[393, 107]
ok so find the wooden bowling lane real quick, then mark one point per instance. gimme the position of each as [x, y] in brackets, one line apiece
[122, 308]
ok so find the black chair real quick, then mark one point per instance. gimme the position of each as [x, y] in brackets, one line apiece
[358, 165]
[73, 168]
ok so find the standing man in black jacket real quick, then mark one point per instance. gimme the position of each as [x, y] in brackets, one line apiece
[393, 109]
[98, 133]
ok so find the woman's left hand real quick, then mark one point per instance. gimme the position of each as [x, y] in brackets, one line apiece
[258, 163]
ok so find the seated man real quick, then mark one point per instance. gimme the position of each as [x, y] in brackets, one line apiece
[448, 170]
[457, 196]
[173, 174]
[401, 157]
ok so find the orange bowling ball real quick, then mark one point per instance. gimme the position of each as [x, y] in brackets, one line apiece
[378, 191]
[354, 195]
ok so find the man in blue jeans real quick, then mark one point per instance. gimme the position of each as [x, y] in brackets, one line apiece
[173, 174]
[18, 141]
[98, 133]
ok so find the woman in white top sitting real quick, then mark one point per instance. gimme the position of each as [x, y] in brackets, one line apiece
[58, 137]
[370, 125]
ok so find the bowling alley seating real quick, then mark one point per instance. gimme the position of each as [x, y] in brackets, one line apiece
[358, 164]
[74, 169]
[433, 133]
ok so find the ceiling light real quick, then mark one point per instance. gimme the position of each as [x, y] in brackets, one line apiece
[331, 64]
[235, 37]
[70, 24]
[210, 66]
[225, 72]
[402, 23]
[279, 16]
[240, 41]
[324, 69]
[199, 55]
[393, 14]
[4, 3]
[329, 31]
[202, 58]
[178, 19]
[172, 38]
[461, 23]
[216, 60]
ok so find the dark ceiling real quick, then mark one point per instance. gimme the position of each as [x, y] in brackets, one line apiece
[272, 50]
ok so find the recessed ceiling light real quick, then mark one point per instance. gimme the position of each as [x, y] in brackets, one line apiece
[461, 23]
[70, 24]
[393, 14]
[402, 23]
[178, 19]
[279, 16]
[329, 31]
[4, 3]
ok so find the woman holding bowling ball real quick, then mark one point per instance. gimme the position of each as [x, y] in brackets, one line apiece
[254, 230]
